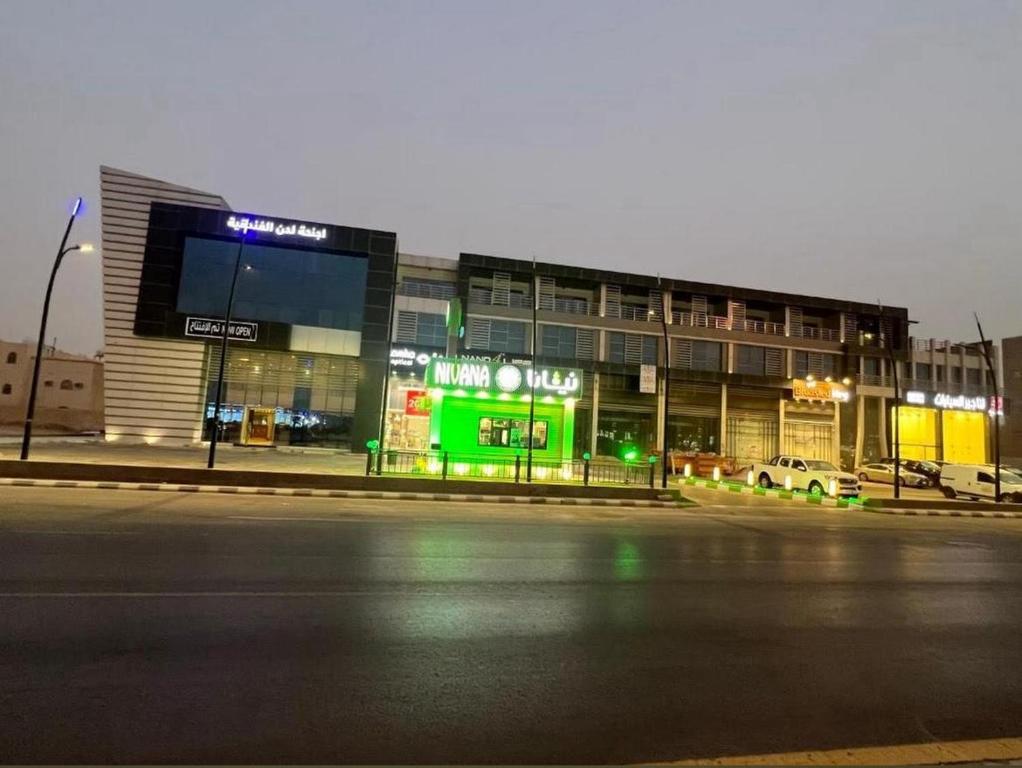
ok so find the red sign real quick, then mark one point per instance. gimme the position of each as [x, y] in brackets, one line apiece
[417, 402]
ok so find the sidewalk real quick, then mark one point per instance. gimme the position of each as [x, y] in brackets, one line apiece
[309, 460]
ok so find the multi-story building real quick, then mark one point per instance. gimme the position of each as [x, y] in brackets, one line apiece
[70, 395]
[752, 372]
[309, 332]
[319, 308]
[947, 404]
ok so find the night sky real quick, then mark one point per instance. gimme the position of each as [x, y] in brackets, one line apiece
[856, 150]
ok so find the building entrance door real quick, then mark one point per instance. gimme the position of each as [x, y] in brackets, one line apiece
[258, 426]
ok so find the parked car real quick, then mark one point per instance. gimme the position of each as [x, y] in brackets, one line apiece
[977, 481]
[879, 472]
[928, 469]
[812, 475]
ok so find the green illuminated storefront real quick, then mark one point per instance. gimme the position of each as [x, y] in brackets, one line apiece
[479, 410]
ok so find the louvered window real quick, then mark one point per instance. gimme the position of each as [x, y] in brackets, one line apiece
[613, 301]
[407, 325]
[424, 329]
[794, 321]
[501, 289]
[547, 291]
[656, 303]
[736, 315]
[774, 362]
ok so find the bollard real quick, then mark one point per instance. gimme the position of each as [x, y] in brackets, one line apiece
[443, 469]
[369, 463]
[585, 467]
[379, 463]
[518, 469]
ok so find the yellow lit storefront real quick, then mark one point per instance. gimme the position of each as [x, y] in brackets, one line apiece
[965, 437]
[942, 427]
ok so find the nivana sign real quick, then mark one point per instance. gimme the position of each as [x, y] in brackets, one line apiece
[502, 378]
[207, 328]
[244, 224]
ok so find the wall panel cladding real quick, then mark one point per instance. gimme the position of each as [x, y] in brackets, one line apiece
[139, 367]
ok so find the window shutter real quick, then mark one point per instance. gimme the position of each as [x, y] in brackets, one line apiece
[633, 349]
[795, 321]
[681, 354]
[407, 326]
[656, 303]
[478, 333]
[547, 290]
[584, 346]
[849, 327]
[736, 315]
[613, 301]
[774, 362]
[501, 289]
[699, 306]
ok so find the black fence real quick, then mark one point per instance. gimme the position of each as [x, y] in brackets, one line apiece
[445, 465]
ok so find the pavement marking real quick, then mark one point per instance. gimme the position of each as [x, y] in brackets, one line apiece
[71, 533]
[340, 494]
[220, 594]
[934, 753]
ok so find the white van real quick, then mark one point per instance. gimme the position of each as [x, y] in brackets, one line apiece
[976, 481]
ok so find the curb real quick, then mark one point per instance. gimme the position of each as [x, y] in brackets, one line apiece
[943, 513]
[771, 493]
[336, 494]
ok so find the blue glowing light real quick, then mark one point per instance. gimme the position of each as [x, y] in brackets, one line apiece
[77, 207]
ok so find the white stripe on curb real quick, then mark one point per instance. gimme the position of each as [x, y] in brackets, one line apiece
[774, 493]
[340, 494]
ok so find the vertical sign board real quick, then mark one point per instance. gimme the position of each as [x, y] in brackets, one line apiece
[647, 379]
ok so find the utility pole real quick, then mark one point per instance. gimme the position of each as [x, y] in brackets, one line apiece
[215, 428]
[888, 344]
[996, 404]
[667, 382]
[535, 373]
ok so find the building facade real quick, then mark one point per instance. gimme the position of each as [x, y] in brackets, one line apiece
[70, 396]
[308, 345]
[333, 334]
[752, 372]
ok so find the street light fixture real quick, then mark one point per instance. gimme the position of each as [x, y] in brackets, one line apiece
[215, 424]
[26, 439]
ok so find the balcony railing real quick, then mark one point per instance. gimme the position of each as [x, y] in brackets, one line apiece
[485, 296]
[823, 334]
[758, 326]
[636, 312]
[444, 291]
[701, 320]
[571, 306]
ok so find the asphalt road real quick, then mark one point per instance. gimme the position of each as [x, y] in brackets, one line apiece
[150, 628]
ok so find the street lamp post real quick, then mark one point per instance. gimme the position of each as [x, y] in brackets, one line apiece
[889, 343]
[214, 426]
[667, 384]
[61, 252]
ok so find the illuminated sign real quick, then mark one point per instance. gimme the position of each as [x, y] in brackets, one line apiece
[244, 224]
[407, 358]
[802, 389]
[502, 378]
[417, 402]
[949, 402]
[207, 328]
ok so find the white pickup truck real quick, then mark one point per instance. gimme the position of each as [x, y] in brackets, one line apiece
[812, 475]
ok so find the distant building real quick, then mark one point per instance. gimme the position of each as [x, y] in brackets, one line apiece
[70, 397]
[1011, 365]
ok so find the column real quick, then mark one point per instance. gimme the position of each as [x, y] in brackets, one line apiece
[722, 448]
[860, 427]
[836, 448]
[594, 414]
[781, 444]
[887, 446]
[661, 404]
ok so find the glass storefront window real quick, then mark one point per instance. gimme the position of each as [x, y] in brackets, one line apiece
[620, 432]
[693, 434]
[497, 432]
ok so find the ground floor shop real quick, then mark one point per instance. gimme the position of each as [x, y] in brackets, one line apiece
[484, 413]
[282, 398]
[941, 435]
